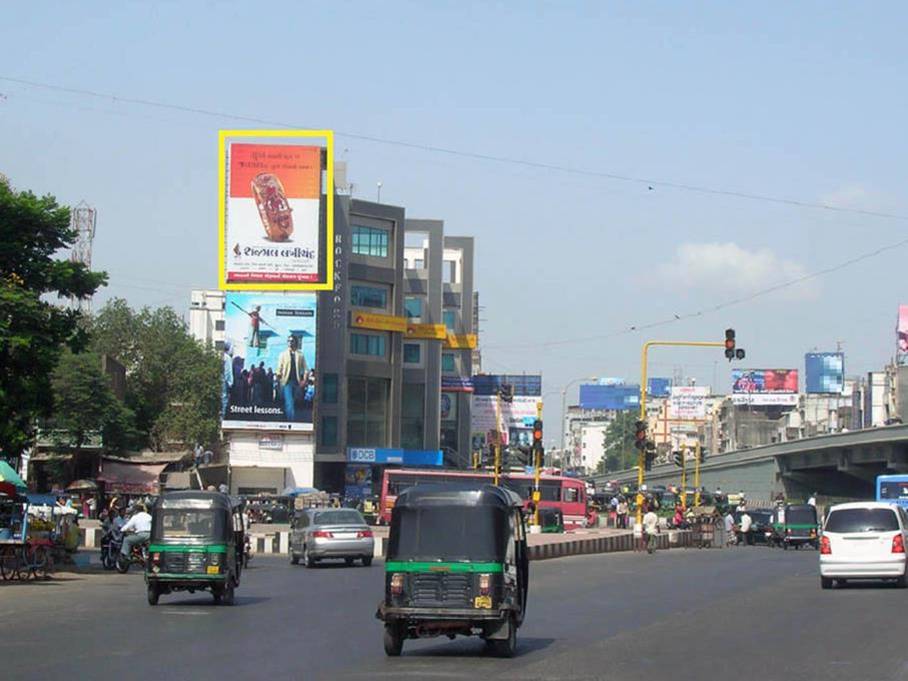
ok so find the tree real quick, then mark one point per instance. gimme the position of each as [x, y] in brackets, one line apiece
[33, 330]
[620, 453]
[84, 403]
[172, 382]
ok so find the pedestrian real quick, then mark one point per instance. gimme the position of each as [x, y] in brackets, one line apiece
[813, 500]
[622, 513]
[650, 528]
[746, 523]
[730, 536]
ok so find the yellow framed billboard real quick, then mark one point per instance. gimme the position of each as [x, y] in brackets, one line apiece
[275, 229]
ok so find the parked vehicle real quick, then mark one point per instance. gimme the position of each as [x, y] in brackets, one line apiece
[797, 526]
[324, 533]
[864, 540]
[457, 564]
[761, 529]
[196, 544]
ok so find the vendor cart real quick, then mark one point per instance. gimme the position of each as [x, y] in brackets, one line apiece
[703, 527]
[25, 544]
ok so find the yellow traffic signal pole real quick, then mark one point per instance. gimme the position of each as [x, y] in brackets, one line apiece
[537, 464]
[684, 478]
[697, 474]
[496, 473]
[643, 364]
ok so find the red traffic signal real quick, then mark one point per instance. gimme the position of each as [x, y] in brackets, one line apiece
[537, 433]
[730, 344]
[640, 435]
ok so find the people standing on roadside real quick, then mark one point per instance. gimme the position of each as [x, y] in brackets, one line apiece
[813, 500]
[729, 527]
[621, 512]
[650, 528]
[746, 524]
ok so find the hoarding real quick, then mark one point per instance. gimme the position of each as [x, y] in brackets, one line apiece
[610, 397]
[523, 384]
[516, 417]
[902, 329]
[275, 227]
[764, 380]
[658, 387]
[825, 372]
[688, 402]
[269, 361]
[766, 399]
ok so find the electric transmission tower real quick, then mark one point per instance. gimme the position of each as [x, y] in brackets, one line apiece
[82, 222]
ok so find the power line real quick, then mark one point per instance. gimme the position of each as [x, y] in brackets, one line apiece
[476, 156]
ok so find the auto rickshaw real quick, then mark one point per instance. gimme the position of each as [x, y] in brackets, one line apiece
[457, 564]
[796, 525]
[197, 544]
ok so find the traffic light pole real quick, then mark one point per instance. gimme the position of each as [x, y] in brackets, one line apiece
[684, 478]
[698, 452]
[496, 473]
[643, 364]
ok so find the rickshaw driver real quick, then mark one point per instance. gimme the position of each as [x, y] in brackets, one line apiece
[140, 525]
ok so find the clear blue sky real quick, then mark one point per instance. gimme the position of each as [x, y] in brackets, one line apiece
[804, 101]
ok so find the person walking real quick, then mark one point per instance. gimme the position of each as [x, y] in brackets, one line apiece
[730, 536]
[621, 512]
[746, 524]
[650, 528]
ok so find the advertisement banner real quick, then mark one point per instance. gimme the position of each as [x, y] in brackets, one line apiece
[276, 230]
[455, 342]
[378, 322]
[518, 415]
[825, 372]
[614, 397]
[902, 329]
[427, 331]
[357, 482]
[269, 361]
[456, 384]
[689, 402]
[764, 380]
[766, 399]
[521, 384]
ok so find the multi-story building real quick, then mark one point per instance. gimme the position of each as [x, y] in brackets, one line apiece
[206, 317]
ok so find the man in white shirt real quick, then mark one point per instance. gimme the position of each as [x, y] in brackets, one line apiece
[140, 525]
[813, 500]
[650, 527]
[746, 523]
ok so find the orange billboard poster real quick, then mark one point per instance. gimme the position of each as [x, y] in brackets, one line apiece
[273, 214]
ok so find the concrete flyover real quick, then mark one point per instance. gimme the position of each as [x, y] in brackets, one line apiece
[838, 466]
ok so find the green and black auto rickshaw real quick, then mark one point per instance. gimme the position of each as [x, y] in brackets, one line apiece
[197, 543]
[457, 563]
[795, 525]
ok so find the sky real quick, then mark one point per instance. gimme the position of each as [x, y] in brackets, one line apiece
[697, 103]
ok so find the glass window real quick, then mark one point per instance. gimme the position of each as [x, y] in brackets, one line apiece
[571, 495]
[367, 344]
[862, 520]
[367, 411]
[412, 415]
[329, 431]
[413, 307]
[449, 268]
[368, 296]
[218, 324]
[449, 317]
[419, 264]
[329, 388]
[448, 363]
[371, 241]
[411, 353]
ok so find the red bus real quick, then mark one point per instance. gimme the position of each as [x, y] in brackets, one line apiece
[568, 495]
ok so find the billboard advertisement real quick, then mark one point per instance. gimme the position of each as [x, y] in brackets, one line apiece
[614, 397]
[275, 227]
[689, 402]
[902, 329]
[517, 418]
[825, 372]
[269, 360]
[523, 384]
[764, 380]
[658, 387]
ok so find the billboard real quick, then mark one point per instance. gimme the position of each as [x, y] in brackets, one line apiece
[517, 418]
[825, 372]
[613, 397]
[764, 380]
[276, 230]
[658, 387]
[269, 360]
[523, 384]
[901, 331]
[689, 402]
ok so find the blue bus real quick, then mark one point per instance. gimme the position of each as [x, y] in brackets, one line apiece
[892, 488]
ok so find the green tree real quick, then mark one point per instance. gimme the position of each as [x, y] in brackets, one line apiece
[84, 403]
[172, 382]
[33, 329]
[620, 453]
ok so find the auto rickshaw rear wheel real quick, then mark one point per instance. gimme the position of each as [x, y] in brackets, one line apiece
[393, 639]
[229, 593]
[505, 647]
[153, 594]
[367, 561]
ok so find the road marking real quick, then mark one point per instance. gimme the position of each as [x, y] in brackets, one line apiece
[187, 612]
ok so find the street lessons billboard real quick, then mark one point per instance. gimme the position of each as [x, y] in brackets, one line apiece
[268, 360]
[825, 372]
[275, 228]
[765, 387]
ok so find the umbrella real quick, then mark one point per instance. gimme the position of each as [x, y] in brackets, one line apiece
[7, 474]
[83, 486]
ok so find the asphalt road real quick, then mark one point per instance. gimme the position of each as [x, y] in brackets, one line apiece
[747, 613]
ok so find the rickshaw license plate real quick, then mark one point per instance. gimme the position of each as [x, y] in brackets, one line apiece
[213, 570]
[482, 602]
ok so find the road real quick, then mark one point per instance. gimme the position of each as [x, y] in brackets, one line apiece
[747, 613]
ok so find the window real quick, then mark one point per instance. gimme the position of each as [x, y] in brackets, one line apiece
[412, 415]
[370, 241]
[367, 411]
[449, 268]
[329, 389]
[853, 520]
[368, 296]
[419, 264]
[367, 344]
[413, 307]
[449, 317]
[329, 430]
[411, 353]
[448, 364]
[571, 495]
[218, 324]
[219, 346]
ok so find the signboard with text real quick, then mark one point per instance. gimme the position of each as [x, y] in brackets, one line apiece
[688, 402]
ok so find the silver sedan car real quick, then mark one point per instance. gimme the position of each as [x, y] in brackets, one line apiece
[320, 533]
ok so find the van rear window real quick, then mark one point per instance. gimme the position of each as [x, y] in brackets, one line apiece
[862, 520]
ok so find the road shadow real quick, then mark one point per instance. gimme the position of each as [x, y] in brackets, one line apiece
[208, 601]
[865, 584]
[474, 647]
[40, 582]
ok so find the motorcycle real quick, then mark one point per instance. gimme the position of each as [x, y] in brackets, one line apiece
[110, 549]
[138, 556]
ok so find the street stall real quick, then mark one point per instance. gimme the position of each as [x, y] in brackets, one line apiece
[706, 530]
[25, 541]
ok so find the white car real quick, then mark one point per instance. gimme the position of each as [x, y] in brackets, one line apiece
[864, 540]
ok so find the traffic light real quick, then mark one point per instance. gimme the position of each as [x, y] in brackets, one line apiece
[730, 344]
[678, 458]
[537, 434]
[649, 455]
[506, 392]
[640, 435]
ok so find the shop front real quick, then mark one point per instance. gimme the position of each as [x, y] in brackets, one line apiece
[365, 465]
